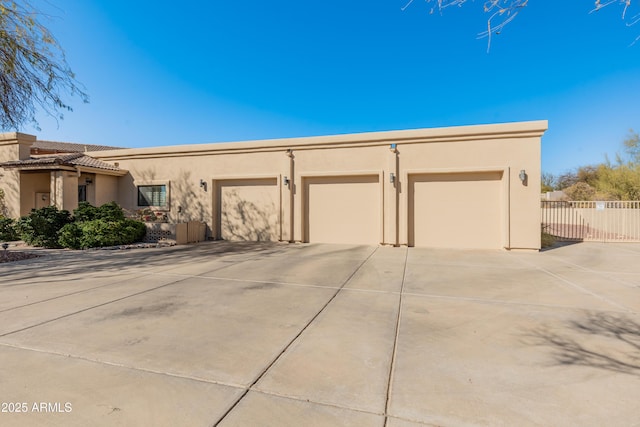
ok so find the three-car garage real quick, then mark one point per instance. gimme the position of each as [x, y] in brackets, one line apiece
[454, 187]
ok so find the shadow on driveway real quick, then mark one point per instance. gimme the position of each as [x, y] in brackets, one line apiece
[596, 340]
[56, 264]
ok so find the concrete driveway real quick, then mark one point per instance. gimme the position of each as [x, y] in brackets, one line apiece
[221, 334]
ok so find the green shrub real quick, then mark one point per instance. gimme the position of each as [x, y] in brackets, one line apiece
[110, 212]
[8, 230]
[71, 236]
[89, 228]
[134, 231]
[100, 233]
[85, 212]
[42, 226]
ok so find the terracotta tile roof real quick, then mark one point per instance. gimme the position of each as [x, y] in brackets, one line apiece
[72, 159]
[69, 147]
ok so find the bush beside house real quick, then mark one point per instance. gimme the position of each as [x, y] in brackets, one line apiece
[89, 227]
[42, 226]
[8, 232]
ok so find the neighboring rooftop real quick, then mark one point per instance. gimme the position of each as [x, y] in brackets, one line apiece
[72, 160]
[54, 147]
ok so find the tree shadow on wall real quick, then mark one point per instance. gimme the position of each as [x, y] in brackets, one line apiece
[599, 340]
[9, 191]
[187, 193]
[244, 220]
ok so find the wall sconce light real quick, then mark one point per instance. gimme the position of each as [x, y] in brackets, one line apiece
[523, 176]
[88, 181]
[392, 178]
[286, 181]
[43, 197]
[393, 148]
[203, 184]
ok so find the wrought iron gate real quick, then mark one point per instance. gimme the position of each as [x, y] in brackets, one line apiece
[613, 221]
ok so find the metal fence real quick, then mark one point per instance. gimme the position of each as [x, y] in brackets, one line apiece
[617, 221]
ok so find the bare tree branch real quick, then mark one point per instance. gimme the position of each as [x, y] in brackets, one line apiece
[503, 12]
[34, 74]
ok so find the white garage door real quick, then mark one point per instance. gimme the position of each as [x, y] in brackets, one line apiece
[456, 210]
[248, 209]
[342, 209]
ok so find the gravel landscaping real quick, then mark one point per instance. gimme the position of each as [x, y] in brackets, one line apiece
[11, 256]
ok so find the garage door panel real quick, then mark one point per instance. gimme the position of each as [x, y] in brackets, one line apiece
[457, 210]
[342, 209]
[249, 210]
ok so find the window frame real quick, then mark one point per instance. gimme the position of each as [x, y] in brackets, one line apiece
[161, 207]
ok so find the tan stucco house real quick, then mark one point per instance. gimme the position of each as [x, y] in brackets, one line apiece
[463, 187]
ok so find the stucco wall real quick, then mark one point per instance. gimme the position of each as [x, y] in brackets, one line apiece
[503, 150]
[64, 189]
[13, 146]
[30, 185]
[104, 189]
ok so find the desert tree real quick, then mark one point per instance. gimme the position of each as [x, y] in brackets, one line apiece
[547, 182]
[631, 146]
[34, 74]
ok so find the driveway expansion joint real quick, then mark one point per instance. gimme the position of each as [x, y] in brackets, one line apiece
[122, 365]
[394, 351]
[578, 287]
[91, 308]
[295, 338]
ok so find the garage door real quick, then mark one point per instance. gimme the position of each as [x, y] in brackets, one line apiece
[456, 210]
[342, 209]
[248, 209]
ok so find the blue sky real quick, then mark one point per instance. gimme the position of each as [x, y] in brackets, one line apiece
[163, 73]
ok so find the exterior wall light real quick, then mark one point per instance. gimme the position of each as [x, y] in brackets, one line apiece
[286, 181]
[203, 184]
[523, 176]
[392, 178]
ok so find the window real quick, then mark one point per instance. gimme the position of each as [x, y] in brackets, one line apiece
[152, 195]
[82, 193]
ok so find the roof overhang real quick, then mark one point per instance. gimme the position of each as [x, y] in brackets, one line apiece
[26, 167]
